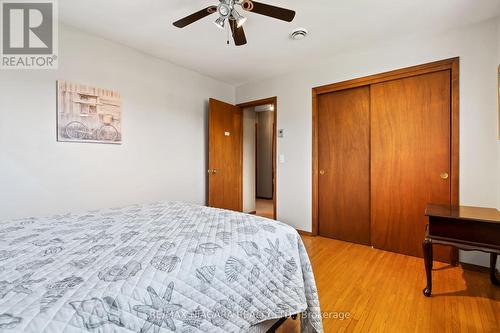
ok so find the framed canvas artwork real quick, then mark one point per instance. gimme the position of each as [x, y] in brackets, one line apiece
[88, 114]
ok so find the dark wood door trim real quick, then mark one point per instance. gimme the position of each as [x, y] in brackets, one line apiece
[274, 102]
[448, 64]
[389, 76]
[270, 100]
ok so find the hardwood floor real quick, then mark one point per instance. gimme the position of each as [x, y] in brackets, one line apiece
[382, 291]
[264, 208]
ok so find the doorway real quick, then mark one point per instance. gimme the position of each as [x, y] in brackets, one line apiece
[242, 156]
[259, 157]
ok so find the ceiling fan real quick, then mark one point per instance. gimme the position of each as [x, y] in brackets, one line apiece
[228, 13]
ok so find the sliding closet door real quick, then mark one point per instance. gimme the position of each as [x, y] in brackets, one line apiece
[410, 159]
[344, 164]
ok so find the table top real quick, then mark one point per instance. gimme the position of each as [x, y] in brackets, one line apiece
[478, 214]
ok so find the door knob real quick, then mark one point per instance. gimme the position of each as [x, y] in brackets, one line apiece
[322, 172]
[444, 175]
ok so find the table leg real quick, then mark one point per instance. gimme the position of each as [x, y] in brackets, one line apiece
[493, 268]
[428, 257]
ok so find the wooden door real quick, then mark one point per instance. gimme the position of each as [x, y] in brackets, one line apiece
[344, 164]
[410, 159]
[225, 156]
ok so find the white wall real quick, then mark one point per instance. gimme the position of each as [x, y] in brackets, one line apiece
[249, 160]
[477, 47]
[498, 122]
[164, 133]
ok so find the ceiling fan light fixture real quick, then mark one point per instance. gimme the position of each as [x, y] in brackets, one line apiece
[247, 5]
[224, 10]
[240, 20]
[220, 23]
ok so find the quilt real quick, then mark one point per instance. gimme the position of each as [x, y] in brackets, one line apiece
[161, 267]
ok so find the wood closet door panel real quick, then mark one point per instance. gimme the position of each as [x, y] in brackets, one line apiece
[344, 164]
[410, 151]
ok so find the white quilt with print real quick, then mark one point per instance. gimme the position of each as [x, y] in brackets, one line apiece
[161, 267]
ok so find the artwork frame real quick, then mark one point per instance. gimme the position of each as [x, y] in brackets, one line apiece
[87, 114]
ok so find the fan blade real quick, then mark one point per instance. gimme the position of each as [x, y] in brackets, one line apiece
[195, 17]
[238, 33]
[272, 11]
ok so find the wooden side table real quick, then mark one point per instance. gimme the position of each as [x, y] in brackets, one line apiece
[467, 228]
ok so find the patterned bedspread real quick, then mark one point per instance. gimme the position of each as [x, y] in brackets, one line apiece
[161, 267]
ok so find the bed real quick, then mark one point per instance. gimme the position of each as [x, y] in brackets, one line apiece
[160, 267]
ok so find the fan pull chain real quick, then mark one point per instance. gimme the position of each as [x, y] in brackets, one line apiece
[227, 29]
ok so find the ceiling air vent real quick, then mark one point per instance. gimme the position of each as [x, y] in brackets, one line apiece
[299, 33]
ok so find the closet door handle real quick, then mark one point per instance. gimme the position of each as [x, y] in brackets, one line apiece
[321, 172]
[444, 175]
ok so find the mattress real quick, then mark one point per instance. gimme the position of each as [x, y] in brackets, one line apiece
[160, 267]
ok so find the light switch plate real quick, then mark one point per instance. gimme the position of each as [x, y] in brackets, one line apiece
[281, 133]
[282, 158]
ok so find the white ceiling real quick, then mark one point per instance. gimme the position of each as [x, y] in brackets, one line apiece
[334, 26]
